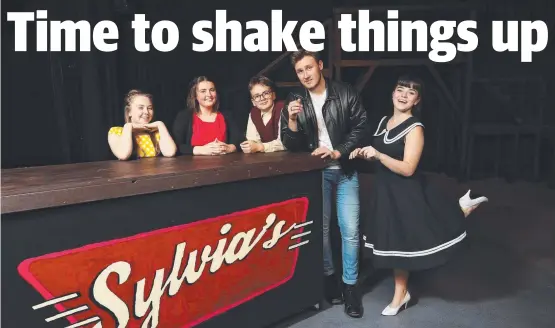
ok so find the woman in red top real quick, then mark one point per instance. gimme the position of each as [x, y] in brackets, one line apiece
[202, 129]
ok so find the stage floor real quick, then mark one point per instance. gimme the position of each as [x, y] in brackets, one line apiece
[505, 279]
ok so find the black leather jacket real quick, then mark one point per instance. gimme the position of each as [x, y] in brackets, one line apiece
[343, 113]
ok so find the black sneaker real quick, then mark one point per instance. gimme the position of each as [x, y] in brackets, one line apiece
[353, 301]
[332, 290]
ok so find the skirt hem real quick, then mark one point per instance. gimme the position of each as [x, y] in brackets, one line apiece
[416, 260]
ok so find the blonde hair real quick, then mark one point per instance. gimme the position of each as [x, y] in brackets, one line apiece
[129, 98]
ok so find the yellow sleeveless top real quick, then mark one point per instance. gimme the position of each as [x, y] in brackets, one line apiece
[146, 144]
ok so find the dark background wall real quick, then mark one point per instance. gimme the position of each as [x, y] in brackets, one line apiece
[66, 102]
[58, 107]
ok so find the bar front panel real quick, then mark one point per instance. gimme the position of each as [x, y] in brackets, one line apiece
[245, 253]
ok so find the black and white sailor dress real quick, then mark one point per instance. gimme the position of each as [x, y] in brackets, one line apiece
[412, 225]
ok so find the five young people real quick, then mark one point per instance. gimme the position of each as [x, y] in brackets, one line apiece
[411, 225]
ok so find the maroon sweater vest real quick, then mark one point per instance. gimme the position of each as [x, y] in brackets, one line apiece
[269, 131]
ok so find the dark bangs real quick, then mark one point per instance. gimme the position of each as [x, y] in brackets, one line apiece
[412, 82]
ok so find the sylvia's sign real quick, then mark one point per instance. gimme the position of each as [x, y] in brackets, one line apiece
[173, 277]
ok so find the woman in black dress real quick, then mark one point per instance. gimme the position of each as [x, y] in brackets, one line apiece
[411, 225]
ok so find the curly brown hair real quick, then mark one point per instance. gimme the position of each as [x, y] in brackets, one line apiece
[192, 103]
[129, 98]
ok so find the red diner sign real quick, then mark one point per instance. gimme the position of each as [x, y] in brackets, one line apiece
[173, 277]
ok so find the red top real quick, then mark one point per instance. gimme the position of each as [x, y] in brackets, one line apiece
[206, 132]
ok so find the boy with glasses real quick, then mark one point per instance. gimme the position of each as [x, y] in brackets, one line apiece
[263, 126]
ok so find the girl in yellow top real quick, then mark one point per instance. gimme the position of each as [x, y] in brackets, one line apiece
[138, 136]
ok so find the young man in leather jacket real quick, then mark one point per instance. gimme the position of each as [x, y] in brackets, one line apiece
[327, 118]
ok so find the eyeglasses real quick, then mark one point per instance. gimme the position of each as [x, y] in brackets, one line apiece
[264, 95]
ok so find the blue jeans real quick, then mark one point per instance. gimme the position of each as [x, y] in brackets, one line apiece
[348, 209]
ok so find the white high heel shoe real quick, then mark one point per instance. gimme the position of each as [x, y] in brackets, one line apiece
[389, 310]
[466, 202]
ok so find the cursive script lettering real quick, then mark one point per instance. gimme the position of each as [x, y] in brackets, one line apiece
[231, 255]
[238, 248]
[277, 235]
[105, 297]
[153, 300]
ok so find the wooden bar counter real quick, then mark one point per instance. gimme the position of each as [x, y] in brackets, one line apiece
[233, 240]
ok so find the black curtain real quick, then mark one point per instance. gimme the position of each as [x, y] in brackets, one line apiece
[56, 105]
[31, 132]
[59, 106]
